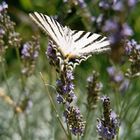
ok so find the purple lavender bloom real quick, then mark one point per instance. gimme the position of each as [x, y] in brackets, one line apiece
[117, 31]
[77, 112]
[111, 70]
[60, 99]
[70, 86]
[76, 131]
[29, 55]
[25, 51]
[51, 53]
[118, 6]
[81, 3]
[65, 89]
[65, 86]
[114, 25]
[73, 96]
[104, 131]
[126, 30]
[3, 6]
[8, 35]
[110, 25]
[104, 5]
[74, 120]
[59, 83]
[133, 52]
[29, 51]
[115, 75]
[132, 3]
[2, 32]
[124, 86]
[108, 125]
[130, 45]
[69, 75]
[118, 77]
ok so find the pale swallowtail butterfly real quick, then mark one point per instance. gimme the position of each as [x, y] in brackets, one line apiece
[73, 46]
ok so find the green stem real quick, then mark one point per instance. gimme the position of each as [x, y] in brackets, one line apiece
[5, 78]
[117, 137]
[117, 98]
[53, 105]
[26, 132]
[19, 128]
[78, 137]
[87, 119]
[69, 133]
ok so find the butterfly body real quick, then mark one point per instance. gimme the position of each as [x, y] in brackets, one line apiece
[73, 46]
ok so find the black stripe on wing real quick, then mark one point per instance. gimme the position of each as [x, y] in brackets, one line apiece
[89, 35]
[77, 35]
[37, 21]
[90, 43]
[80, 36]
[50, 26]
[42, 21]
[96, 40]
[60, 27]
[90, 38]
[84, 39]
[74, 32]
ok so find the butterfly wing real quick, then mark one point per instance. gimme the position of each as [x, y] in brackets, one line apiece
[86, 43]
[56, 31]
[74, 45]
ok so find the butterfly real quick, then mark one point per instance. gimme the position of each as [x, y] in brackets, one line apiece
[73, 46]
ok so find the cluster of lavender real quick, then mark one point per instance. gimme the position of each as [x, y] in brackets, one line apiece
[8, 36]
[75, 120]
[30, 52]
[112, 21]
[65, 90]
[51, 54]
[132, 50]
[118, 79]
[94, 87]
[115, 24]
[108, 125]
